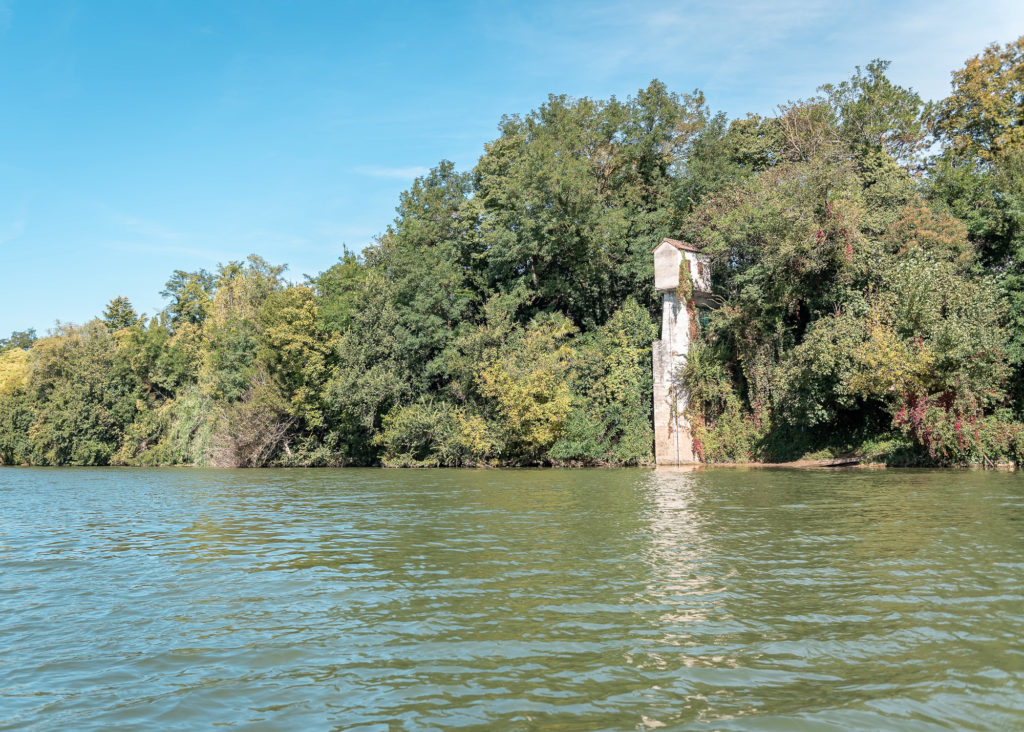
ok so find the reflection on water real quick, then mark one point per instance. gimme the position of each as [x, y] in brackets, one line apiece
[620, 599]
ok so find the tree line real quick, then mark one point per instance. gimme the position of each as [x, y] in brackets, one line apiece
[867, 250]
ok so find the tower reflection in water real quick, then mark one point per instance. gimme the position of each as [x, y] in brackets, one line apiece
[687, 580]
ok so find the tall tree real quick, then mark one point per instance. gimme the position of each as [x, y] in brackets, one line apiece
[574, 196]
[119, 314]
[984, 116]
[22, 339]
[979, 174]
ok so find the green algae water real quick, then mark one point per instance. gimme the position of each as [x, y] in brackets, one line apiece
[536, 599]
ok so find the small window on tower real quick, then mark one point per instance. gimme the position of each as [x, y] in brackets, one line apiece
[700, 269]
[687, 265]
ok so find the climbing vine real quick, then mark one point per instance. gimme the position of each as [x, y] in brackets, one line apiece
[684, 290]
[684, 296]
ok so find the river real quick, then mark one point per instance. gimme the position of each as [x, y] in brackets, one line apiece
[724, 599]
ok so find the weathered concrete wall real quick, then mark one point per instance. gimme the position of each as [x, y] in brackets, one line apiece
[673, 441]
[666, 267]
[700, 273]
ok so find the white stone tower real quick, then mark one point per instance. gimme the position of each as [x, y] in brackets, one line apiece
[673, 440]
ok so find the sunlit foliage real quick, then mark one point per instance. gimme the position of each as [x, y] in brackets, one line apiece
[868, 259]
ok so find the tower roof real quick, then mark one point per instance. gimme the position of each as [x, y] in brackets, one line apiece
[684, 246]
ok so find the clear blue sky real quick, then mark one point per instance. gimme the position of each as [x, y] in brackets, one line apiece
[143, 136]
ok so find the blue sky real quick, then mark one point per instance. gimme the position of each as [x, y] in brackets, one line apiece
[143, 137]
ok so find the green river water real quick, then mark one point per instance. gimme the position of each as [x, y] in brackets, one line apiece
[186, 599]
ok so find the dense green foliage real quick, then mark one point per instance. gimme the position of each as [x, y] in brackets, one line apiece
[862, 306]
[867, 251]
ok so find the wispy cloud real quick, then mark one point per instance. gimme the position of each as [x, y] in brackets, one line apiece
[12, 231]
[413, 171]
[136, 247]
[747, 55]
[929, 42]
[611, 37]
[145, 236]
[147, 228]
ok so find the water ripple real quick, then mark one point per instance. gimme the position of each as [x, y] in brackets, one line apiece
[630, 599]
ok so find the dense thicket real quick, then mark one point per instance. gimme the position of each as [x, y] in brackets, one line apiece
[868, 264]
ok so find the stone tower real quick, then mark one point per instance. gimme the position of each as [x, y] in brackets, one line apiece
[673, 440]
